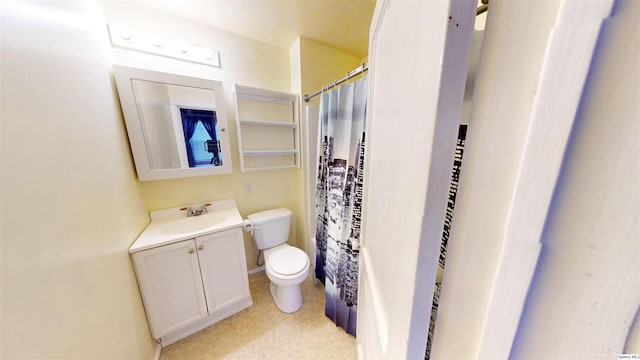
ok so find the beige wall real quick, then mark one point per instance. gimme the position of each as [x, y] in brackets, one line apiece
[68, 192]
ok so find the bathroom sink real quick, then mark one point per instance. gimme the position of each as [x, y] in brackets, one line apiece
[172, 225]
[194, 223]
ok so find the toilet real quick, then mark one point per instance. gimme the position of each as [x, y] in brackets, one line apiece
[286, 266]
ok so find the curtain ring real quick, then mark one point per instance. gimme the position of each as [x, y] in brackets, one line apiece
[363, 68]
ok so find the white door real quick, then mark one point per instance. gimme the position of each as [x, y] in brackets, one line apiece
[169, 278]
[224, 268]
[418, 56]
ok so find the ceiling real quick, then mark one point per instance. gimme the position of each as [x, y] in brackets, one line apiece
[342, 24]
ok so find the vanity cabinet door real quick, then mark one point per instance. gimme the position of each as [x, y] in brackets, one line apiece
[224, 268]
[171, 286]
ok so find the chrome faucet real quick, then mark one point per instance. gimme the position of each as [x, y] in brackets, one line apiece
[196, 211]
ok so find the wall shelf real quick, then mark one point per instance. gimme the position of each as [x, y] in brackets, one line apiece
[268, 123]
[268, 131]
[269, 152]
[271, 167]
[267, 98]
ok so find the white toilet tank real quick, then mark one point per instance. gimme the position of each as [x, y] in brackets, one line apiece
[271, 227]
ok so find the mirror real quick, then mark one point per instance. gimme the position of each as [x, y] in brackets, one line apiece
[177, 125]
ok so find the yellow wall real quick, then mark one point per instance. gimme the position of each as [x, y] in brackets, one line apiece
[302, 69]
[321, 64]
[69, 189]
[68, 192]
[318, 65]
[244, 61]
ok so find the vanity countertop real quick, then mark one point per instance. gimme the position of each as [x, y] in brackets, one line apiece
[172, 225]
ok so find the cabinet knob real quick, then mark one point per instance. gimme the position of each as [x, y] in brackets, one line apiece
[200, 247]
[191, 251]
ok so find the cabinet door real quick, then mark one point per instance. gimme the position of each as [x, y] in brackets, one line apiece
[169, 278]
[224, 268]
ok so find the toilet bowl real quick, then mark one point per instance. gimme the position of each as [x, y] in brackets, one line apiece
[286, 266]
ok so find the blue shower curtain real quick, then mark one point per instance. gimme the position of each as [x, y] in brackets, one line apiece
[339, 199]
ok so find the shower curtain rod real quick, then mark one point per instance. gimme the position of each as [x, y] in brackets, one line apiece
[357, 71]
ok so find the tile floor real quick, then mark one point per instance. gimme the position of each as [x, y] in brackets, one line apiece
[264, 332]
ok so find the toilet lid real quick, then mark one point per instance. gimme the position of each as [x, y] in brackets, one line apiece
[288, 261]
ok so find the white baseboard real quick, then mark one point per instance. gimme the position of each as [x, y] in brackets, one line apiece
[156, 356]
[256, 270]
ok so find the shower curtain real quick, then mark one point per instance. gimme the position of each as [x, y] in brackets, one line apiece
[339, 199]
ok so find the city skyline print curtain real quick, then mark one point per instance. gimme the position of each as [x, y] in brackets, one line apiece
[339, 199]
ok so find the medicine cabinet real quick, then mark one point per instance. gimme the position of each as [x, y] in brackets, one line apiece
[268, 131]
[177, 125]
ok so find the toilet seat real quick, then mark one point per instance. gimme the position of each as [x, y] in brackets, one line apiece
[288, 261]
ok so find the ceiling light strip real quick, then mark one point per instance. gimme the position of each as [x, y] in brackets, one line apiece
[123, 36]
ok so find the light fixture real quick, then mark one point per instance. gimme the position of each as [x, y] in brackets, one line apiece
[184, 47]
[125, 33]
[208, 53]
[156, 40]
[123, 36]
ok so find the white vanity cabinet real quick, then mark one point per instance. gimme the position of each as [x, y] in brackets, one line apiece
[223, 268]
[191, 284]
